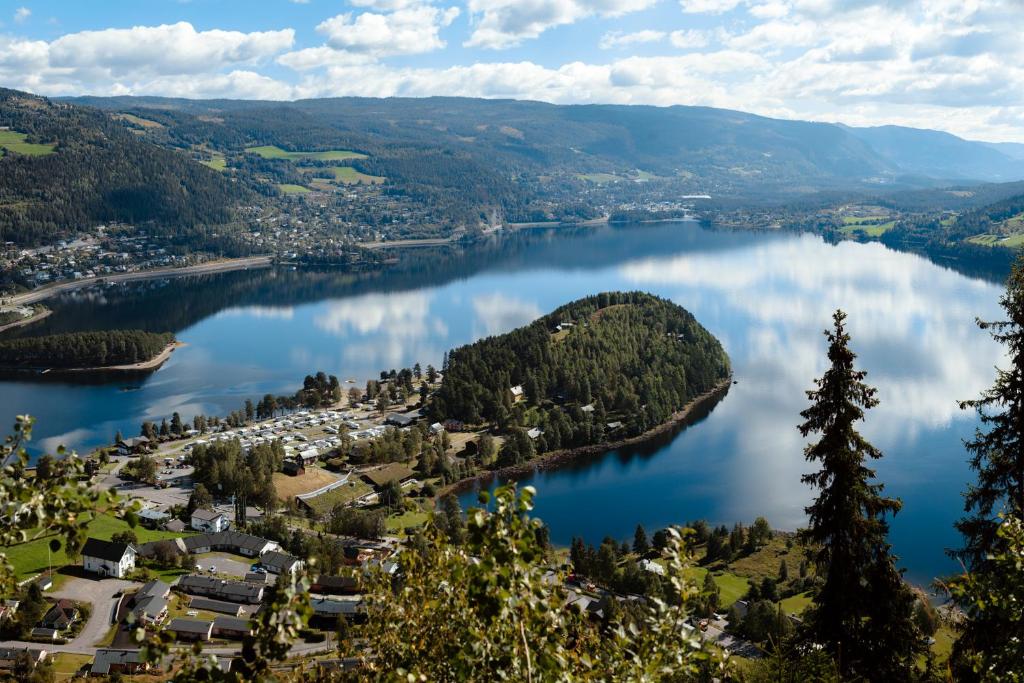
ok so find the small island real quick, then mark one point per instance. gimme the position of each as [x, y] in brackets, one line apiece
[596, 373]
[106, 350]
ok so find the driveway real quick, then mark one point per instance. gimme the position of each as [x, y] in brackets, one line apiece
[98, 593]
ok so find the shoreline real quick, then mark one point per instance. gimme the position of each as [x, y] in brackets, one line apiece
[153, 363]
[555, 459]
[35, 317]
[219, 266]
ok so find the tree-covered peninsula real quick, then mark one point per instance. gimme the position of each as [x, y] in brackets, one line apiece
[600, 369]
[78, 350]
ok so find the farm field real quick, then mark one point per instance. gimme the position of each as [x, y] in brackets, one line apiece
[288, 188]
[350, 176]
[868, 224]
[274, 152]
[599, 178]
[15, 142]
[987, 240]
[288, 487]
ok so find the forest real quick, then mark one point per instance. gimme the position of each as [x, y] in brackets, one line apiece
[100, 172]
[83, 349]
[617, 363]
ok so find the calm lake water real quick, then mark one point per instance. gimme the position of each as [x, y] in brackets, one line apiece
[766, 296]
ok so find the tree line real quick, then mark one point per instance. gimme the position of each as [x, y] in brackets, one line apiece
[84, 349]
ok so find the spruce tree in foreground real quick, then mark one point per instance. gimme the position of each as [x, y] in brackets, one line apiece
[990, 593]
[863, 612]
[997, 455]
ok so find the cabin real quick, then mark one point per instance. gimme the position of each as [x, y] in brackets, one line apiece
[134, 446]
[517, 393]
[107, 558]
[403, 419]
[209, 521]
[293, 468]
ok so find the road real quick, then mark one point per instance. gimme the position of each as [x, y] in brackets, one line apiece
[223, 265]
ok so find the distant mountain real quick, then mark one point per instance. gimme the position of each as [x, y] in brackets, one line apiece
[1014, 150]
[66, 167]
[942, 155]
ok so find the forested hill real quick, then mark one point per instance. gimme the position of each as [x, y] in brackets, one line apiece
[632, 357]
[67, 167]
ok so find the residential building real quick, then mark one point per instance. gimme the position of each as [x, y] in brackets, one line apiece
[9, 656]
[108, 558]
[280, 563]
[191, 629]
[220, 589]
[150, 603]
[209, 521]
[110, 661]
[231, 627]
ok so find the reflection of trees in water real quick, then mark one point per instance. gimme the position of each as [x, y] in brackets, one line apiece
[177, 303]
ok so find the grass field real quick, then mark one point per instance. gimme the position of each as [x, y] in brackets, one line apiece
[274, 152]
[350, 176]
[1011, 242]
[730, 586]
[67, 664]
[599, 178]
[869, 224]
[343, 494]
[217, 162]
[407, 519]
[139, 121]
[15, 142]
[796, 604]
[288, 188]
[315, 477]
[30, 558]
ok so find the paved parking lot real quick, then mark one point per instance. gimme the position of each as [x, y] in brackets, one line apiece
[229, 565]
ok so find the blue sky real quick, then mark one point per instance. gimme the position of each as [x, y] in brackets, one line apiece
[948, 64]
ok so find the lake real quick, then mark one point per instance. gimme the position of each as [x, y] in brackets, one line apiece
[767, 296]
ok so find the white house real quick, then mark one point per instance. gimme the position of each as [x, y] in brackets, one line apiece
[107, 558]
[209, 521]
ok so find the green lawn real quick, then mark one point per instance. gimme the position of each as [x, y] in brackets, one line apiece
[217, 162]
[15, 142]
[30, 558]
[288, 188]
[406, 519]
[730, 586]
[275, 152]
[796, 604]
[67, 664]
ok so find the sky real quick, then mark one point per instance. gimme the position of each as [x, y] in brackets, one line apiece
[954, 65]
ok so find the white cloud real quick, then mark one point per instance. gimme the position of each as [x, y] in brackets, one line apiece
[22, 14]
[708, 6]
[617, 39]
[500, 24]
[691, 39]
[408, 31]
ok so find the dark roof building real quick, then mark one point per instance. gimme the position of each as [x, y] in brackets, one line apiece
[335, 585]
[231, 627]
[191, 629]
[229, 591]
[108, 661]
[211, 605]
[280, 563]
[382, 475]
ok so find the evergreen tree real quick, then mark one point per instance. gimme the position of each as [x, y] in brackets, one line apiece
[640, 544]
[863, 612]
[997, 455]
